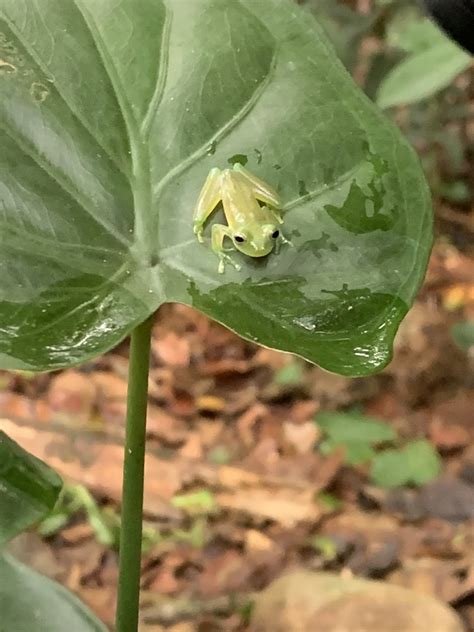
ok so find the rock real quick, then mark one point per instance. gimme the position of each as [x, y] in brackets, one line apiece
[449, 499]
[72, 393]
[322, 602]
[467, 472]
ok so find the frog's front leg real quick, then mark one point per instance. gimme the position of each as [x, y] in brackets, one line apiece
[209, 198]
[219, 233]
[281, 240]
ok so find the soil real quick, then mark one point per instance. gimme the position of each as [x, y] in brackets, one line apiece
[225, 426]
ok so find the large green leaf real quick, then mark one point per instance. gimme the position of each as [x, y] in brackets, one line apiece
[111, 116]
[28, 489]
[30, 602]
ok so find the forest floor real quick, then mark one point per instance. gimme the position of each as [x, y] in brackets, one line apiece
[237, 488]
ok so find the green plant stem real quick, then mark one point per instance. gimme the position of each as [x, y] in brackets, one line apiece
[133, 477]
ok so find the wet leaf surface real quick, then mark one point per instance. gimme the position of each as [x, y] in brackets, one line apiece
[112, 128]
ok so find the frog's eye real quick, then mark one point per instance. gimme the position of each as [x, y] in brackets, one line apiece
[239, 238]
[275, 234]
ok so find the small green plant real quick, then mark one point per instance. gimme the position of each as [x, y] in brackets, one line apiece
[75, 499]
[415, 464]
[326, 546]
[201, 502]
[356, 433]
[361, 437]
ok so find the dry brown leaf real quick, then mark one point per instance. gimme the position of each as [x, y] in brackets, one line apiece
[85, 458]
[210, 403]
[285, 506]
[458, 295]
[247, 421]
[210, 430]
[258, 541]
[303, 411]
[77, 533]
[226, 573]
[192, 449]
[301, 436]
[109, 385]
[448, 436]
[14, 406]
[73, 393]
[164, 427]
[172, 349]
[227, 365]
[448, 580]
[233, 477]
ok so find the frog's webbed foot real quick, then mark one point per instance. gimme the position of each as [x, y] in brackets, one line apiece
[198, 228]
[280, 241]
[223, 259]
[219, 233]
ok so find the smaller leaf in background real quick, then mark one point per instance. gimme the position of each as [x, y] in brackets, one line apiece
[30, 602]
[66, 507]
[76, 498]
[422, 75]
[463, 334]
[413, 34]
[28, 489]
[416, 464]
[355, 432]
[355, 452]
[352, 426]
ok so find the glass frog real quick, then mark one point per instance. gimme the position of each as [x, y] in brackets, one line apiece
[251, 226]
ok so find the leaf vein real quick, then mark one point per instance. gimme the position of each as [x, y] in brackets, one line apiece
[221, 133]
[77, 116]
[161, 76]
[75, 195]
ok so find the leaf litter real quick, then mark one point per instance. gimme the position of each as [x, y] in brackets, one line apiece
[237, 488]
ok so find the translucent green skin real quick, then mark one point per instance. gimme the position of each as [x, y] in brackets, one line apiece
[251, 226]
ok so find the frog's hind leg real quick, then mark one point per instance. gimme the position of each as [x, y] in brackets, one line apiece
[262, 191]
[219, 233]
[209, 198]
